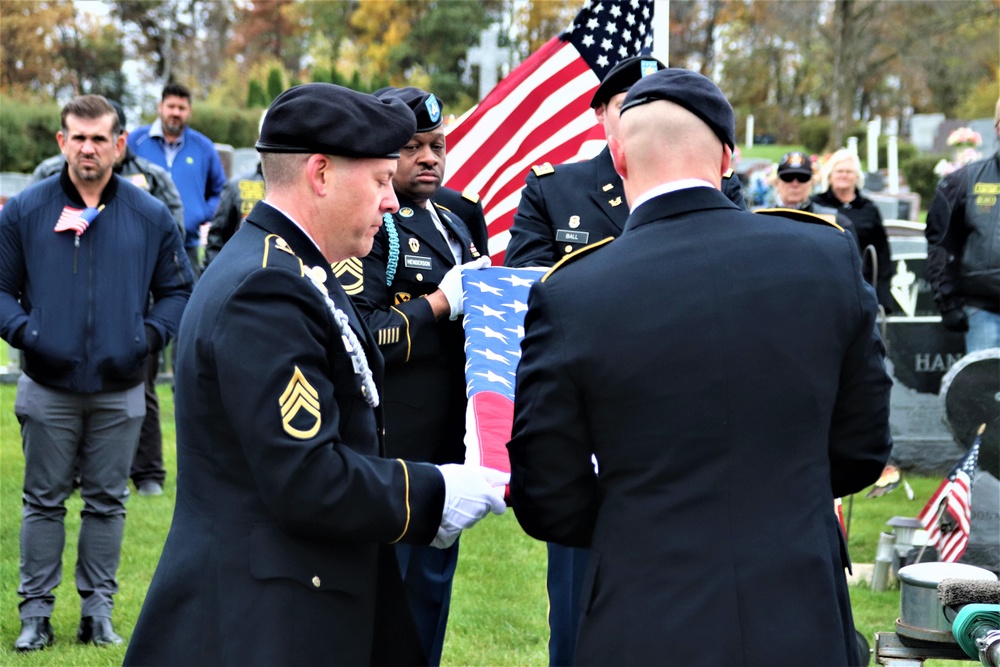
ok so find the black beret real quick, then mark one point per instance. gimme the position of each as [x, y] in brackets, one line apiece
[696, 93]
[795, 162]
[333, 120]
[623, 76]
[426, 107]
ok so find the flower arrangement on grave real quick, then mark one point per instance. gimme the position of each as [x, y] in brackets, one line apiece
[964, 142]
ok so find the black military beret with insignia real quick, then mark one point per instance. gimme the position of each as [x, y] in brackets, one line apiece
[623, 76]
[696, 93]
[333, 120]
[426, 107]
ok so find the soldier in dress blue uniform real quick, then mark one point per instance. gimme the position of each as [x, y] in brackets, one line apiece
[279, 552]
[408, 291]
[569, 206]
[468, 206]
[562, 210]
[723, 382]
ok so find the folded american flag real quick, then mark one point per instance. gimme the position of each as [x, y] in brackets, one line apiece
[77, 219]
[496, 299]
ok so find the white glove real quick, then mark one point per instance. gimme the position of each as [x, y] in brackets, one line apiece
[470, 493]
[451, 284]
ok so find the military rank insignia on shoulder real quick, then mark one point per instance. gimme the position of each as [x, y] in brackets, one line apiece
[801, 216]
[471, 196]
[299, 404]
[277, 253]
[729, 173]
[351, 275]
[543, 169]
[573, 256]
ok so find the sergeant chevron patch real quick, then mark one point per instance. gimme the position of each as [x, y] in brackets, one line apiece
[351, 275]
[299, 407]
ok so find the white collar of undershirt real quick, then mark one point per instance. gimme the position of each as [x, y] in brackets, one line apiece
[296, 223]
[672, 186]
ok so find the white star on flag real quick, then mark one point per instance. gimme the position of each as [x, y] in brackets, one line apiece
[490, 312]
[490, 368]
[483, 287]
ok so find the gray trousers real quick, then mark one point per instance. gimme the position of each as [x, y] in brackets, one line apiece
[58, 427]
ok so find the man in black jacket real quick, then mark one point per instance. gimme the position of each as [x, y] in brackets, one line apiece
[79, 312]
[963, 253]
[238, 198]
[147, 473]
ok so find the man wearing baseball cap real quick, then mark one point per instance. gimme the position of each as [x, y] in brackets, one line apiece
[731, 387]
[280, 552]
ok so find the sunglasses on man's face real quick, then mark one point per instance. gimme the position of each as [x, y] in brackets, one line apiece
[790, 178]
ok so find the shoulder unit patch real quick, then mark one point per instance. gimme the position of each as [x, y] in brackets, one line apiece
[351, 275]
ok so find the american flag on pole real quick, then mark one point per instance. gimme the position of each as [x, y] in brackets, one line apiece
[947, 514]
[496, 299]
[541, 111]
[77, 219]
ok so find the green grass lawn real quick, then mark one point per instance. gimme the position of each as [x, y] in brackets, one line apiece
[499, 606]
[771, 152]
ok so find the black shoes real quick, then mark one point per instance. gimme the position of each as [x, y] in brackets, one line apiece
[150, 488]
[97, 630]
[36, 633]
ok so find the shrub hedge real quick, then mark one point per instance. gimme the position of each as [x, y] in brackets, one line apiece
[920, 176]
[27, 135]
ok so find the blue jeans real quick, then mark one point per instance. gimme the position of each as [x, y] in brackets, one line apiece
[984, 329]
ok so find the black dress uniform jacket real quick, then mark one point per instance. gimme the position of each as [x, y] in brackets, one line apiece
[276, 554]
[469, 209]
[726, 371]
[567, 207]
[425, 387]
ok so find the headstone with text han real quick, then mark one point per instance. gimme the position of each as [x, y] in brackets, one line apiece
[920, 351]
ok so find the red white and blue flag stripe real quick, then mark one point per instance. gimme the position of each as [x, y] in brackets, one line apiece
[947, 515]
[76, 219]
[495, 301]
[541, 112]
